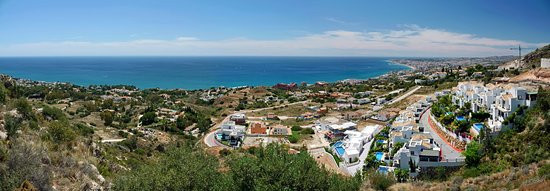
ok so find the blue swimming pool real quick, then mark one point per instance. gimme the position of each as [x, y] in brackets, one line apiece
[383, 169]
[379, 155]
[219, 136]
[380, 141]
[478, 126]
[460, 118]
[339, 149]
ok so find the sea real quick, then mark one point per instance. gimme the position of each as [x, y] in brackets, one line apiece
[194, 72]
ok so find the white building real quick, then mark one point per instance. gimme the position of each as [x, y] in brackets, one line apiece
[545, 62]
[508, 102]
[421, 147]
[232, 132]
[352, 146]
[499, 101]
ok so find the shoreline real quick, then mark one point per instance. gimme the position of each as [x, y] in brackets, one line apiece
[401, 64]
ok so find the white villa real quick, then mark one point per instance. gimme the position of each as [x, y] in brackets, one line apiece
[420, 147]
[352, 146]
[508, 102]
[335, 126]
[232, 132]
[499, 101]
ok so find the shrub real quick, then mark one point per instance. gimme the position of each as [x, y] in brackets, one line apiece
[308, 131]
[24, 162]
[473, 154]
[107, 117]
[293, 139]
[544, 171]
[53, 113]
[24, 107]
[380, 181]
[60, 132]
[84, 129]
[12, 125]
[296, 128]
[148, 118]
[225, 152]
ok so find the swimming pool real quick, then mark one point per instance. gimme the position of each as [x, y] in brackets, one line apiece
[460, 118]
[379, 155]
[383, 169]
[339, 149]
[219, 136]
[380, 141]
[478, 126]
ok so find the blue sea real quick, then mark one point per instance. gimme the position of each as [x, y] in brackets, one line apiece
[194, 72]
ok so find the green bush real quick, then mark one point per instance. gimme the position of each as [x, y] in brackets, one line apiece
[544, 171]
[148, 118]
[380, 181]
[296, 128]
[84, 129]
[53, 113]
[60, 132]
[293, 139]
[307, 131]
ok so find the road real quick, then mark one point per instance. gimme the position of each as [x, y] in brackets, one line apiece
[352, 170]
[404, 95]
[447, 150]
[210, 139]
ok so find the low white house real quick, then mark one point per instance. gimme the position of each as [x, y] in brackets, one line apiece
[352, 146]
[421, 147]
[231, 132]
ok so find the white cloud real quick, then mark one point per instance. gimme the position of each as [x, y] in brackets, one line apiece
[409, 40]
[338, 21]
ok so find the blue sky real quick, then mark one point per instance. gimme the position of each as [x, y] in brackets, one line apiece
[276, 28]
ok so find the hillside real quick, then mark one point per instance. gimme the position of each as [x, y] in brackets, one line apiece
[531, 60]
[535, 56]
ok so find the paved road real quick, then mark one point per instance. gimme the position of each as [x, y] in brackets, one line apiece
[447, 151]
[404, 95]
[352, 170]
[210, 139]
[112, 140]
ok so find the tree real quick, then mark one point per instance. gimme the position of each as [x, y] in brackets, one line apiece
[148, 118]
[473, 154]
[107, 117]
[371, 162]
[412, 165]
[401, 174]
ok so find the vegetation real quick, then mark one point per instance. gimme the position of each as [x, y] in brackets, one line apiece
[525, 143]
[270, 168]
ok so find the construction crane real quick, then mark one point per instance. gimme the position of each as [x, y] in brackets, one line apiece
[519, 52]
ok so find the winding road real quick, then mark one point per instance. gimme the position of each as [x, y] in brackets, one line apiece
[447, 150]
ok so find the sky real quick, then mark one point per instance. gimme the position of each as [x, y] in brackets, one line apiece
[400, 28]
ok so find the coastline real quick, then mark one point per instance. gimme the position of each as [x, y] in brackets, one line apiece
[401, 64]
